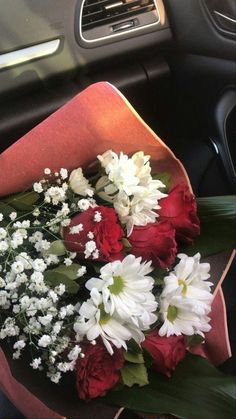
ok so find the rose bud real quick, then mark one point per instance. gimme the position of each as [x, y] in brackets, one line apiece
[166, 352]
[180, 209]
[95, 234]
[155, 242]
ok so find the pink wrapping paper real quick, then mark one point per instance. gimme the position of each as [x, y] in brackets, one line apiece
[94, 121]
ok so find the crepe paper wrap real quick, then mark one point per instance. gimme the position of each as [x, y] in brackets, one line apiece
[217, 354]
[22, 398]
[98, 119]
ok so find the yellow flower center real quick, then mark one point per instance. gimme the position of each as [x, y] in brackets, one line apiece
[172, 313]
[104, 317]
[117, 286]
[185, 287]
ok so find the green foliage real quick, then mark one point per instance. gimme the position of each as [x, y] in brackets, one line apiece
[197, 390]
[165, 178]
[218, 226]
[194, 340]
[69, 271]
[5, 209]
[134, 347]
[126, 243]
[54, 278]
[158, 275]
[134, 374]
[57, 248]
[23, 201]
[134, 358]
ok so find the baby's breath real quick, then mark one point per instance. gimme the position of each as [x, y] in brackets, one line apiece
[31, 306]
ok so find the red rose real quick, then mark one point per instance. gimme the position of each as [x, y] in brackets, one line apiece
[166, 352]
[98, 371]
[180, 209]
[154, 242]
[107, 234]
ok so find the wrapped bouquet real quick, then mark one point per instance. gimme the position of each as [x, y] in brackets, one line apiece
[100, 280]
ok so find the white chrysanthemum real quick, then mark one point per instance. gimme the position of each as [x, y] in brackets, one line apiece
[79, 184]
[180, 317]
[143, 168]
[186, 299]
[94, 322]
[126, 291]
[143, 172]
[121, 172]
[139, 210]
[130, 187]
[190, 278]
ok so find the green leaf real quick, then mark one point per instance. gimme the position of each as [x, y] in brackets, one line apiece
[6, 209]
[194, 340]
[197, 390]
[134, 347]
[134, 374]
[126, 243]
[57, 248]
[134, 357]
[69, 271]
[97, 266]
[23, 201]
[55, 278]
[217, 207]
[165, 178]
[148, 359]
[218, 225]
[158, 275]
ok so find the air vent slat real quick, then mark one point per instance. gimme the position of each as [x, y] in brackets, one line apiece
[97, 15]
[114, 18]
[109, 4]
[101, 12]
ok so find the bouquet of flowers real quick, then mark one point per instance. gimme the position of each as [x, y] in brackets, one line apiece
[95, 275]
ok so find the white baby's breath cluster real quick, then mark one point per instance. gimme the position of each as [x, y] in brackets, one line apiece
[128, 184]
[36, 312]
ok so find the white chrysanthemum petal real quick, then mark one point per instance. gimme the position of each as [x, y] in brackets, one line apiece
[79, 184]
[126, 291]
[87, 310]
[93, 332]
[134, 193]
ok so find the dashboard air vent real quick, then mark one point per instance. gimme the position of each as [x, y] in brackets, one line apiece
[101, 12]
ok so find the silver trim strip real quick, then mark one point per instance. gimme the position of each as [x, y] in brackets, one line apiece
[215, 146]
[113, 5]
[224, 16]
[26, 54]
[91, 41]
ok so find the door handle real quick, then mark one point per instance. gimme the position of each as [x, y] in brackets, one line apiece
[223, 13]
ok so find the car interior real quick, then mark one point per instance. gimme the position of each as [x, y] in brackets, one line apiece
[174, 60]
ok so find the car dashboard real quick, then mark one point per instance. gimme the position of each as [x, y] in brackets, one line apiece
[61, 37]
